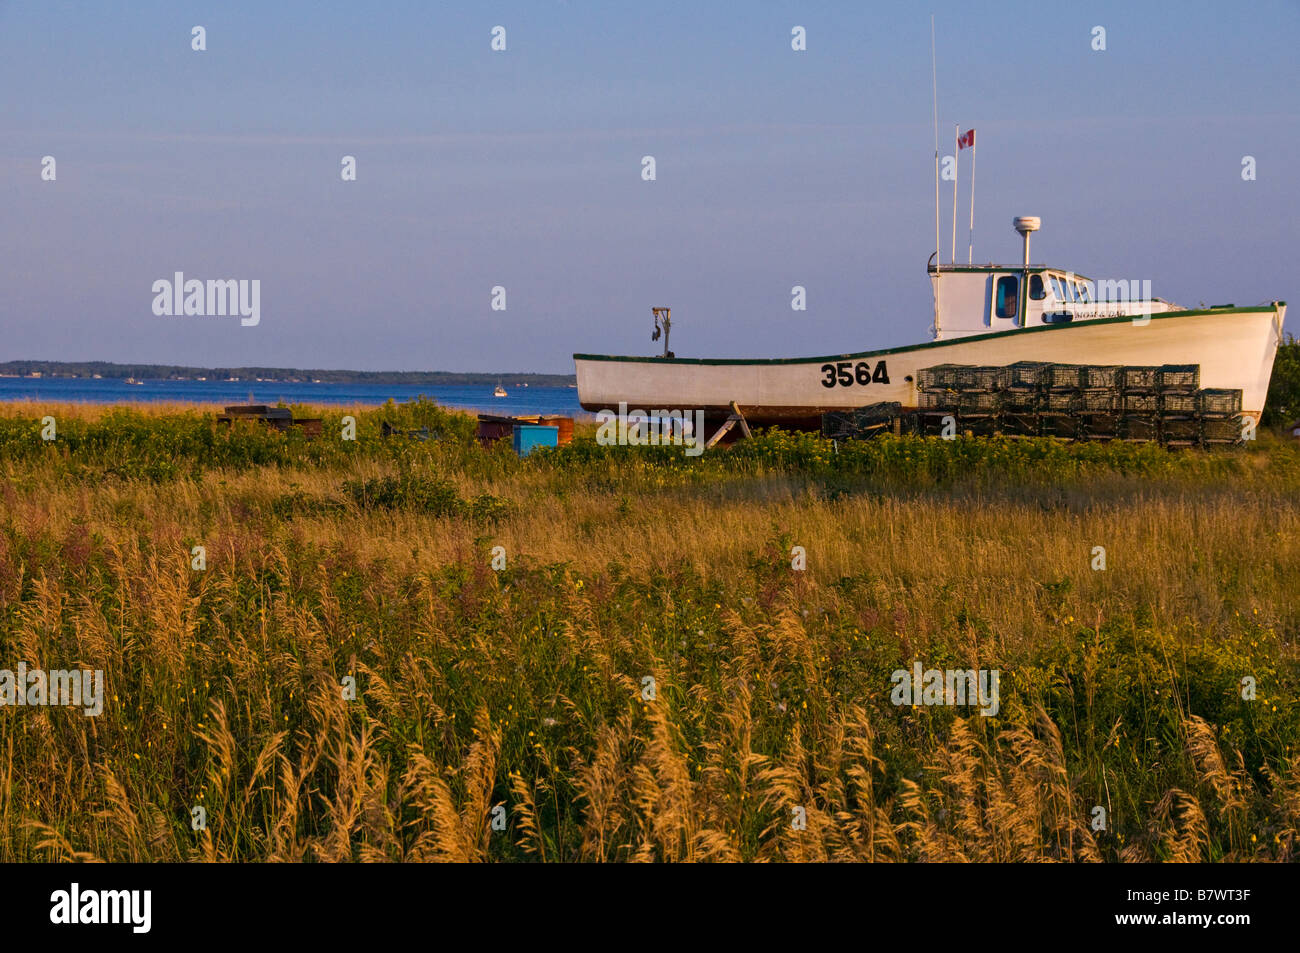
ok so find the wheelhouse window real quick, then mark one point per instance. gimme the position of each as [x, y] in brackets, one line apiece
[1006, 300]
[1036, 290]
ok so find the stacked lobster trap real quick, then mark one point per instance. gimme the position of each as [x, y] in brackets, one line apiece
[973, 395]
[1165, 404]
[1219, 410]
[868, 421]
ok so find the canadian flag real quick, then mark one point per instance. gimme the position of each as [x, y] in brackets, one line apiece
[966, 139]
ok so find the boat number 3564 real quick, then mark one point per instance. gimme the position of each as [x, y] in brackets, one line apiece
[846, 374]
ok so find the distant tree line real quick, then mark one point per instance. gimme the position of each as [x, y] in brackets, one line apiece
[1283, 404]
[108, 369]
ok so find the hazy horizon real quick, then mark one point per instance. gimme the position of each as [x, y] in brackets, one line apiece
[268, 367]
[522, 169]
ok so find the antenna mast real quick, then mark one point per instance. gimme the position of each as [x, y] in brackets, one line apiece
[970, 248]
[956, 164]
[934, 79]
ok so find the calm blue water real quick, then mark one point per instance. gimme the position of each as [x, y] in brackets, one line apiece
[521, 400]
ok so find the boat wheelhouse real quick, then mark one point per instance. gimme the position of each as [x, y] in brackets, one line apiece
[978, 299]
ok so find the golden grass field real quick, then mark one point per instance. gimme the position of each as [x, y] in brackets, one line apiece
[522, 687]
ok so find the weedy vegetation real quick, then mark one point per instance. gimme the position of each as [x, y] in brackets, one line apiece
[524, 686]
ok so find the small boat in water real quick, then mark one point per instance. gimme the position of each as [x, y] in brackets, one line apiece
[499, 392]
[132, 380]
[983, 315]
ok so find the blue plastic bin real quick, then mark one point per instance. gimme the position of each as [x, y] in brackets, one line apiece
[528, 436]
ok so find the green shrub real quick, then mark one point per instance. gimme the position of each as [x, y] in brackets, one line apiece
[422, 494]
[1283, 403]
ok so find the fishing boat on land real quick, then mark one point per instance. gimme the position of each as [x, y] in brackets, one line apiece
[983, 315]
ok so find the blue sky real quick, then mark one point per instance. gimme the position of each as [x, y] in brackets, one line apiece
[522, 169]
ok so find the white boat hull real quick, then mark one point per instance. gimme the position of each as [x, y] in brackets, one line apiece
[1234, 347]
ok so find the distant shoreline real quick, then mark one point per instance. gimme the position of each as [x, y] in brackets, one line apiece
[268, 375]
[519, 398]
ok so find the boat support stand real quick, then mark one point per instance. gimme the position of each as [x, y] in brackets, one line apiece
[736, 418]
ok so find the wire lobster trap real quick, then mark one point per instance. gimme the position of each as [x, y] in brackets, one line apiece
[1019, 424]
[1140, 404]
[945, 400]
[1101, 377]
[1100, 426]
[1223, 430]
[1026, 375]
[1095, 400]
[1139, 428]
[979, 403]
[936, 423]
[1063, 377]
[863, 422]
[938, 377]
[1062, 402]
[1219, 402]
[1179, 378]
[1180, 431]
[1175, 405]
[1064, 426]
[961, 377]
[1139, 379]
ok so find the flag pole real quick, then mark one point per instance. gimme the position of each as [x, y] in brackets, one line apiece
[970, 249]
[956, 162]
[934, 80]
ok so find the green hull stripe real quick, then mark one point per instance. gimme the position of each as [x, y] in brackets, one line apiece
[1261, 309]
[1005, 269]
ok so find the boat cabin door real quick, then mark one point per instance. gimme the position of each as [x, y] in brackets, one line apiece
[1004, 302]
